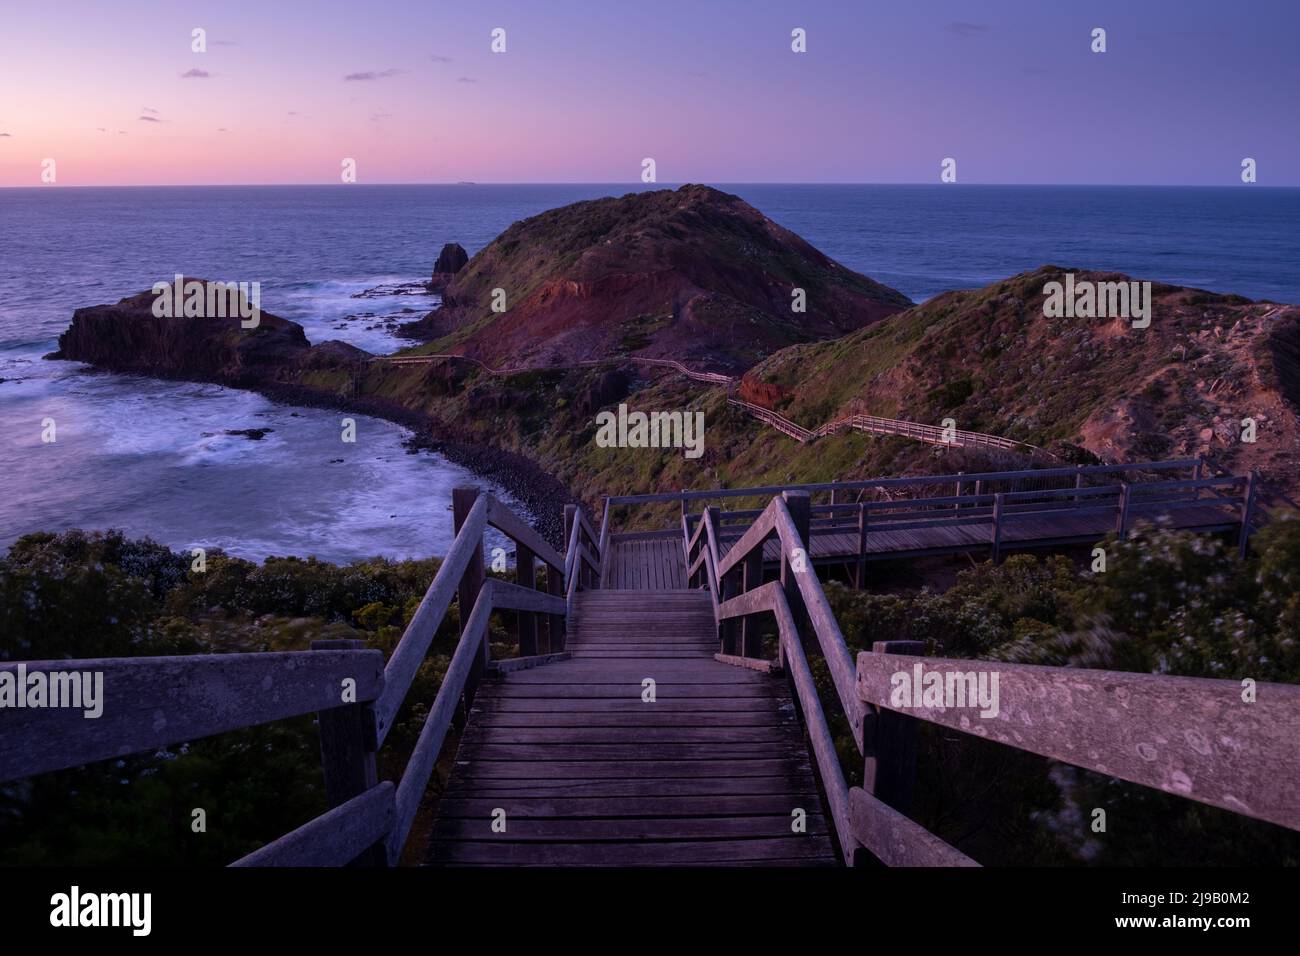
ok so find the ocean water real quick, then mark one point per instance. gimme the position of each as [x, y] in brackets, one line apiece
[156, 458]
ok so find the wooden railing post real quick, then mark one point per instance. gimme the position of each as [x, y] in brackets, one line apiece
[996, 550]
[555, 622]
[570, 516]
[1121, 522]
[860, 572]
[751, 634]
[462, 500]
[800, 508]
[889, 743]
[1248, 513]
[525, 621]
[957, 494]
[728, 584]
[348, 741]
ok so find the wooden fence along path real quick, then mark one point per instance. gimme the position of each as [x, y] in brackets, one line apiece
[875, 425]
[871, 424]
[644, 721]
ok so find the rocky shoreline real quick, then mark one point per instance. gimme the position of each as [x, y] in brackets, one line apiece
[540, 492]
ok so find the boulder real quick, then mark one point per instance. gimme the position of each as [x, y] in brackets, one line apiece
[450, 261]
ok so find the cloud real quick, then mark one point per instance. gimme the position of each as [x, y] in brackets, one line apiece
[195, 74]
[6, 135]
[148, 109]
[436, 58]
[150, 119]
[963, 29]
[466, 79]
[370, 75]
[224, 42]
[376, 117]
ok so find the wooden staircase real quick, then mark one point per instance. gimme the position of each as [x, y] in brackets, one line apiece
[584, 766]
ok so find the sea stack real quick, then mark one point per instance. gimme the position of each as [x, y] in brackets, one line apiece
[450, 261]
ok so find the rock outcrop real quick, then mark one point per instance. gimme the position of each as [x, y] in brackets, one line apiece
[692, 274]
[451, 260]
[129, 337]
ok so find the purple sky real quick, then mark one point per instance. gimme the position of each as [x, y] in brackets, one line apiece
[709, 88]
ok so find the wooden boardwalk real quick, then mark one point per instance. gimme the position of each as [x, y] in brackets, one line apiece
[657, 729]
[650, 564]
[1052, 528]
[588, 772]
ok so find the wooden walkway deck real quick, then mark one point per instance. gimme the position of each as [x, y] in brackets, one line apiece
[653, 564]
[588, 772]
[1024, 531]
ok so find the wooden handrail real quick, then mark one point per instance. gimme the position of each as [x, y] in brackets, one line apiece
[336, 837]
[969, 478]
[776, 519]
[1190, 736]
[860, 818]
[602, 549]
[418, 636]
[510, 524]
[166, 700]
[154, 702]
[419, 768]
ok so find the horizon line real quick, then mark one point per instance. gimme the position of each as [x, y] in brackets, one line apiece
[635, 185]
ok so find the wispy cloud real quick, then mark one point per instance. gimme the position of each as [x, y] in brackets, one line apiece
[437, 58]
[148, 109]
[371, 75]
[466, 79]
[963, 29]
[195, 74]
[6, 135]
[149, 119]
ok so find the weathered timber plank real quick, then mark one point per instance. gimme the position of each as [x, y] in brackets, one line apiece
[511, 525]
[683, 853]
[680, 719]
[896, 840]
[1190, 736]
[151, 702]
[643, 806]
[511, 665]
[412, 649]
[497, 734]
[334, 838]
[705, 750]
[520, 828]
[657, 769]
[625, 705]
[625, 689]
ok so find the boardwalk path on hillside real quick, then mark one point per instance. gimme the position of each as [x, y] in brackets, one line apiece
[588, 773]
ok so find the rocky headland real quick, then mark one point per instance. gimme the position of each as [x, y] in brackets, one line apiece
[720, 275]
